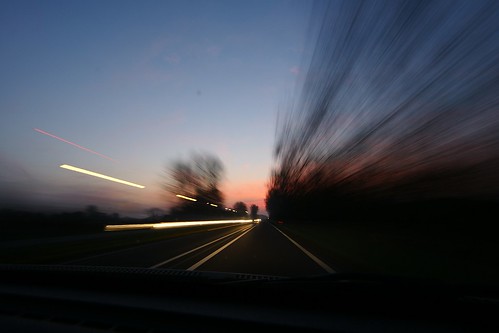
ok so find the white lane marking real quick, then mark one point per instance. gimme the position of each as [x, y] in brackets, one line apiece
[197, 248]
[217, 228]
[208, 257]
[314, 258]
[130, 248]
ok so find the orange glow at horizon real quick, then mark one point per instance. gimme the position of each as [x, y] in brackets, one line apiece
[251, 192]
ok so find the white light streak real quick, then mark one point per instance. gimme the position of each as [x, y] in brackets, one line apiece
[186, 198]
[164, 225]
[99, 175]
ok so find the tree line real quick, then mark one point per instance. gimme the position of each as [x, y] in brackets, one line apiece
[194, 186]
[396, 114]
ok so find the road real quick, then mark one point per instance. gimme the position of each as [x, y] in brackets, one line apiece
[248, 248]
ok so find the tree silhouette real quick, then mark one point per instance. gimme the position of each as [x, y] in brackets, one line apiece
[241, 208]
[254, 211]
[389, 110]
[154, 213]
[197, 178]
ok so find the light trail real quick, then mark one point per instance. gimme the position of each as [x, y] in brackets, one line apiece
[195, 249]
[164, 225]
[99, 175]
[73, 144]
[186, 198]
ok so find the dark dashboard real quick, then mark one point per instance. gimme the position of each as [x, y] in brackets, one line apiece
[99, 299]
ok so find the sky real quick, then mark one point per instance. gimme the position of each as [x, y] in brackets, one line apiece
[135, 85]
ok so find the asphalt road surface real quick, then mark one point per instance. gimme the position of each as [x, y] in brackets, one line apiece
[246, 248]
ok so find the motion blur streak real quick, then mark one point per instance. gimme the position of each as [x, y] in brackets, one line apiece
[398, 103]
[95, 174]
[163, 225]
[186, 198]
[74, 144]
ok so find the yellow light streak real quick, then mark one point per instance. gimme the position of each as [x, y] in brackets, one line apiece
[164, 225]
[213, 205]
[120, 227]
[95, 174]
[186, 198]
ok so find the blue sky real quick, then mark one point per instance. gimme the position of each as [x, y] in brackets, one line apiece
[145, 83]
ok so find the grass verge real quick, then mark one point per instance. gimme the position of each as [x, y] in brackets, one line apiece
[71, 249]
[450, 253]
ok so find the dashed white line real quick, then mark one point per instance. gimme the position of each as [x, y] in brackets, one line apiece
[211, 255]
[197, 248]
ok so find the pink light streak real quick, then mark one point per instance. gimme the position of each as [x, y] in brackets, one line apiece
[74, 144]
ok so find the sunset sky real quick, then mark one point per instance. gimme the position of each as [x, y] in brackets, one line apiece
[133, 85]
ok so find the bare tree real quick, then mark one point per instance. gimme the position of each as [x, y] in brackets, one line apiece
[241, 208]
[154, 213]
[254, 211]
[197, 178]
